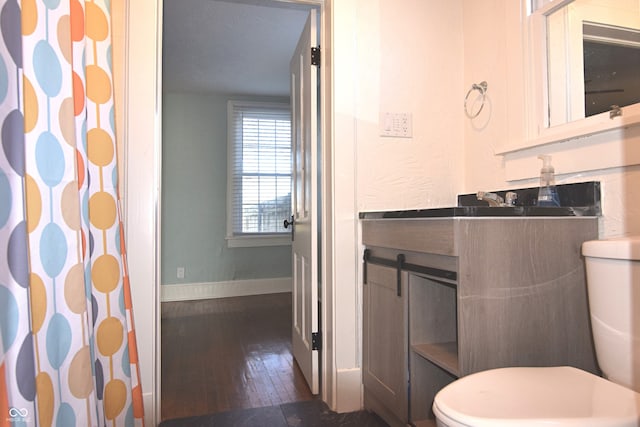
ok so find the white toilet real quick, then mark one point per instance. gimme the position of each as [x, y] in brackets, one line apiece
[563, 395]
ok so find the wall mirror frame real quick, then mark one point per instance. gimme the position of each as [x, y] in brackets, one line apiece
[538, 54]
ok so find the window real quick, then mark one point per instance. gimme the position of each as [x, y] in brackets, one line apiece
[259, 177]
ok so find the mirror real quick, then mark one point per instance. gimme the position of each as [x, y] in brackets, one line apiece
[580, 58]
[593, 58]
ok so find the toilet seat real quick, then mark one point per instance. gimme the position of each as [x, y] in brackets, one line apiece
[527, 397]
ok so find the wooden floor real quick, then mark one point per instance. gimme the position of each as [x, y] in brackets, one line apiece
[228, 353]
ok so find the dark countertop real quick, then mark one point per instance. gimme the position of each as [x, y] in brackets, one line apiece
[481, 211]
[579, 199]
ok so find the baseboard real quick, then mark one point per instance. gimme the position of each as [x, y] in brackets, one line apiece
[233, 288]
[349, 390]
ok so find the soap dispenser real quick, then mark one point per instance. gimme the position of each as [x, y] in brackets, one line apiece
[548, 193]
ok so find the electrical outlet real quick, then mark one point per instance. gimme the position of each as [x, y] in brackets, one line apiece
[398, 125]
[180, 273]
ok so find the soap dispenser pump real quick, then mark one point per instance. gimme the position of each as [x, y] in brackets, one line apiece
[547, 193]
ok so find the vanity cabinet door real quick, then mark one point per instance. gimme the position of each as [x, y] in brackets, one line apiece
[385, 373]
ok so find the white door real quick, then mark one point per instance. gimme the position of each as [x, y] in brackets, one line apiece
[304, 245]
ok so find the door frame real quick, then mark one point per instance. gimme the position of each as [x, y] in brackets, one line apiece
[142, 192]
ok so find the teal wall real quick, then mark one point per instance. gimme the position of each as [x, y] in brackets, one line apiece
[194, 191]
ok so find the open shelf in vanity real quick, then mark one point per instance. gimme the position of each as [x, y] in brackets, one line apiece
[433, 340]
[471, 299]
[433, 323]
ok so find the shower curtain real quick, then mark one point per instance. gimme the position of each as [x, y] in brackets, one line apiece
[67, 343]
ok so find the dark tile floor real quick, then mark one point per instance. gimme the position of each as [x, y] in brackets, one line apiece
[312, 413]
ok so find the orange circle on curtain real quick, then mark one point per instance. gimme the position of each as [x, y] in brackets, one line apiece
[81, 168]
[29, 15]
[80, 378]
[97, 23]
[77, 21]
[46, 398]
[78, 87]
[102, 210]
[74, 292]
[31, 106]
[98, 85]
[105, 273]
[115, 396]
[99, 147]
[133, 348]
[38, 296]
[109, 336]
[34, 203]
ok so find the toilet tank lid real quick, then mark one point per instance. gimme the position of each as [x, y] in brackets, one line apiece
[616, 248]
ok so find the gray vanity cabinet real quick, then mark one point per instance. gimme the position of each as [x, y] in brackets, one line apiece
[385, 374]
[481, 293]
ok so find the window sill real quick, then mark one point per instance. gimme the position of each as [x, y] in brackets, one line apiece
[258, 241]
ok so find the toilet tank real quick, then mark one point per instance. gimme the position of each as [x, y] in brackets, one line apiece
[613, 283]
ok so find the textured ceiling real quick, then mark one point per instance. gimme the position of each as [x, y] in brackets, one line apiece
[230, 46]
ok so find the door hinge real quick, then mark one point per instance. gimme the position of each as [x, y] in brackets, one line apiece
[316, 341]
[315, 56]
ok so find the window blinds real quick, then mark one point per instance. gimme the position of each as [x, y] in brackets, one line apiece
[260, 167]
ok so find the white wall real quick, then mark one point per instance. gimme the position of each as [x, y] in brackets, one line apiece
[493, 52]
[409, 59]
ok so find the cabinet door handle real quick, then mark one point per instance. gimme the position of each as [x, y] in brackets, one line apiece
[367, 255]
[400, 260]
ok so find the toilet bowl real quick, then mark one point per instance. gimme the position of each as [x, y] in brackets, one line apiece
[563, 395]
[527, 397]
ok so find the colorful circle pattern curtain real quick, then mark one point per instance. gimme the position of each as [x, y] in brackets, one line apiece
[67, 343]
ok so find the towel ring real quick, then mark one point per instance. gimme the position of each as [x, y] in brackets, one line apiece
[480, 87]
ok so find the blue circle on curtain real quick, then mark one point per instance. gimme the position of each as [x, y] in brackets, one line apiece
[58, 340]
[10, 25]
[99, 379]
[129, 421]
[9, 317]
[116, 238]
[5, 196]
[95, 308]
[126, 365]
[87, 282]
[47, 68]
[114, 179]
[83, 138]
[17, 254]
[53, 249]
[66, 416]
[25, 369]
[112, 119]
[121, 306]
[85, 208]
[50, 159]
[91, 243]
[13, 140]
[4, 80]
[110, 57]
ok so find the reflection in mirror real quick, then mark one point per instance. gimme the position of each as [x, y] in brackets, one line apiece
[611, 67]
[593, 58]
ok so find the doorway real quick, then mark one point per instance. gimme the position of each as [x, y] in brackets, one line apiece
[192, 264]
